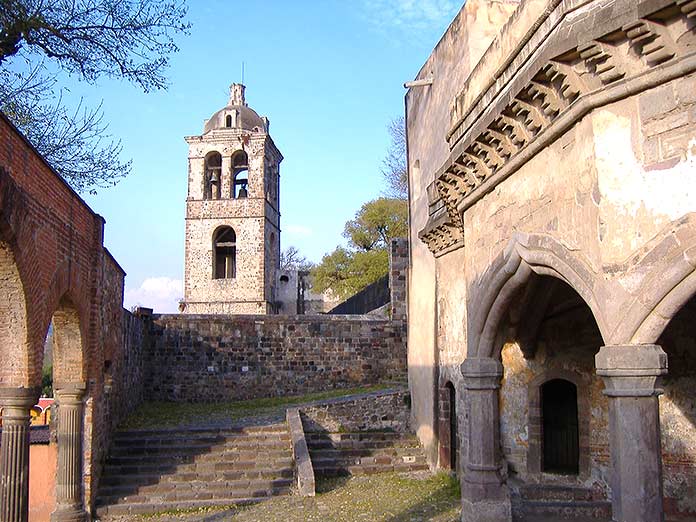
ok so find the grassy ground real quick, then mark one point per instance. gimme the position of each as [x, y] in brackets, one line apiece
[387, 497]
[168, 414]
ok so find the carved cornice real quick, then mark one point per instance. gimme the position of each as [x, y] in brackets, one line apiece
[440, 235]
[543, 93]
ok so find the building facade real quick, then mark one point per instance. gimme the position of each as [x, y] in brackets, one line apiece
[232, 242]
[552, 174]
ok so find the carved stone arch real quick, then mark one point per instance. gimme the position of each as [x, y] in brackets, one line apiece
[524, 256]
[669, 283]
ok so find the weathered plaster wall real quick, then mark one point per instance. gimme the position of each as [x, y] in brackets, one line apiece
[427, 121]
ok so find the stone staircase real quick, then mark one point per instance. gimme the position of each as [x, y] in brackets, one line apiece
[542, 503]
[336, 454]
[158, 470]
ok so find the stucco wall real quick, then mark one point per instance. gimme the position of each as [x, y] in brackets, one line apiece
[428, 116]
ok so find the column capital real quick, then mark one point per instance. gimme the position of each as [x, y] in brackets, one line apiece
[631, 370]
[67, 393]
[481, 373]
[19, 397]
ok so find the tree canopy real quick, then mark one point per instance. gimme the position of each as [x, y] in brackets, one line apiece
[394, 166]
[346, 271]
[292, 259]
[129, 39]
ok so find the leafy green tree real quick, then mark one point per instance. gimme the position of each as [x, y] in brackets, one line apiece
[377, 223]
[129, 39]
[47, 381]
[346, 271]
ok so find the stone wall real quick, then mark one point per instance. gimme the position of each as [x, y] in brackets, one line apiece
[369, 298]
[385, 410]
[213, 358]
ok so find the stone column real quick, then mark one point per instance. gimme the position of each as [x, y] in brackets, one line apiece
[69, 503]
[14, 452]
[484, 495]
[632, 376]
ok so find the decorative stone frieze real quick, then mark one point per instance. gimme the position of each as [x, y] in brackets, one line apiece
[580, 65]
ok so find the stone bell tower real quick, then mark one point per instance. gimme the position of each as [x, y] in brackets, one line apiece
[232, 250]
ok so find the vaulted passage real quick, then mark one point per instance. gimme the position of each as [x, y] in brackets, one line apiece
[560, 413]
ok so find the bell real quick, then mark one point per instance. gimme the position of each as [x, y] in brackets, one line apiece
[215, 178]
[242, 192]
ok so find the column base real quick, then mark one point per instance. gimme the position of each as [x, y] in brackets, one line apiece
[486, 511]
[69, 514]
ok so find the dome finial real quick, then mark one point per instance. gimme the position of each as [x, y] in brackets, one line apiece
[237, 94]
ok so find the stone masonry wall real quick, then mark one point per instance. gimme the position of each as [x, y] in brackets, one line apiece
[212, 358]
[389, 410]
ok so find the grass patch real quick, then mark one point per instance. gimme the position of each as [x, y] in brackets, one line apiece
[171, 414]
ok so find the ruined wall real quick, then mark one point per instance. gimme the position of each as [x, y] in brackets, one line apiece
[211, 358]
[386, 410]
[427, 121]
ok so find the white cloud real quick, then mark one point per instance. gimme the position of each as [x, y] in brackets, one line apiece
[160, 293]
[411, 16]
[297, 230]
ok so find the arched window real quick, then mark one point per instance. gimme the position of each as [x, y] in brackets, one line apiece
[225, 249]
[240, 174]
[228, 121]
[212, 177]
[559, 407]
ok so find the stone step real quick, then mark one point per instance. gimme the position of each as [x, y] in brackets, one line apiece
[170, 468]
[126, 508]
[332, 470]
[360, 436]
[203, 431]
[328, 453]
[211, 438]
[562, 510]
[192, 490]
[184, 477]
[551, 492]
[188, 448]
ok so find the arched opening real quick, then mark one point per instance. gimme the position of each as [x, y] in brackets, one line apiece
[225, 253]
[454, 439]
[213, 176]
[678, 414]
[559, 410]
[228, 121]
[448, 432]
[240, 174]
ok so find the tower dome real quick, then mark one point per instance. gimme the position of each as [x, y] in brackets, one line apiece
[236, 115]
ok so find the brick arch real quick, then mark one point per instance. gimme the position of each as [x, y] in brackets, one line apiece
[509, 273]
[69, 361]
[15, 346]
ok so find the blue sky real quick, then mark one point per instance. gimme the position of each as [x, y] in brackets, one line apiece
[328, 74]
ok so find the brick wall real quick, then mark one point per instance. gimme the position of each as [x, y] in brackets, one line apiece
[212, 358]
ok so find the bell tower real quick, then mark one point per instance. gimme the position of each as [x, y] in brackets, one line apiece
[232, 242]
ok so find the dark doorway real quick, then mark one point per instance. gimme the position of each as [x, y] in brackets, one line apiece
[453, 426]
[559, 399]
